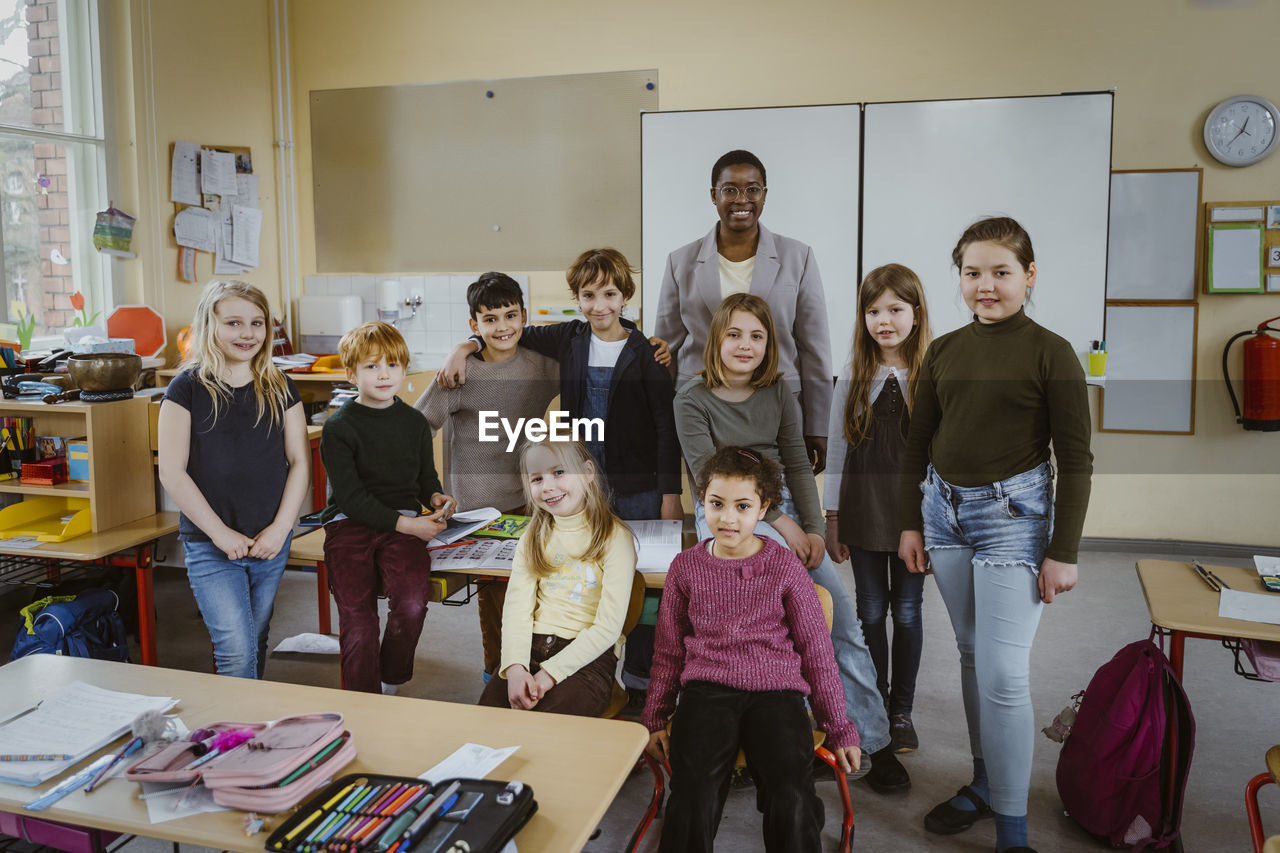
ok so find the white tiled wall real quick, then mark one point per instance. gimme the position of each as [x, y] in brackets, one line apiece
[441, 321]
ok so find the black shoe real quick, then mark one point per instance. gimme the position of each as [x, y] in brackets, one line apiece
[635, 703]
[741, 779]
[887, 774]
[946, 819]
[903, 733]
[822, 772]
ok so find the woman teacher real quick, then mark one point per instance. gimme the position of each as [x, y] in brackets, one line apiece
[741, 255]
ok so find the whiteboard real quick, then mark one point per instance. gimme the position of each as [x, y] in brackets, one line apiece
[810, 155]
[934, 167]
[1151, 245]
[1151, 353]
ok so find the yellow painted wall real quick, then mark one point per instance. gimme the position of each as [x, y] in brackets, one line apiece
[199, 72]
[1170, 61]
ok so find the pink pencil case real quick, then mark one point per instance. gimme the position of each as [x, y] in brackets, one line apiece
[169, 763]
[283, 763]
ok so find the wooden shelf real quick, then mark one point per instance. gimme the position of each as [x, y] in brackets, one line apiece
[121, 485]
[77, 489]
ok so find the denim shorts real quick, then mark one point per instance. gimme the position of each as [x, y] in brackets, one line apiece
[1008, 522]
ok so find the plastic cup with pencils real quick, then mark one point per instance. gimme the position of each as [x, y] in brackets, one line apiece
[1098, 358]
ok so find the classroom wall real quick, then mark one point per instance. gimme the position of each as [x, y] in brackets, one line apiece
[1170, 61]
[199, 72]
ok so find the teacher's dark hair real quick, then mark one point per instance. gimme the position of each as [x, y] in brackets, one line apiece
[738, 157]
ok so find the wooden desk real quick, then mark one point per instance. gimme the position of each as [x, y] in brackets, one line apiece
[308, 550]
[1180, 602]
[575, 765]
[130, 545]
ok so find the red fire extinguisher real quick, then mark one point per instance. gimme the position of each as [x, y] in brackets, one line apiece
[1261, 379]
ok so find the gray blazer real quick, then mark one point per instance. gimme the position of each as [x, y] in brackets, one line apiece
[786, 277]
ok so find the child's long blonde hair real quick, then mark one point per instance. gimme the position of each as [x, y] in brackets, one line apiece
[905, 285]
[208, 364]
[600, 517]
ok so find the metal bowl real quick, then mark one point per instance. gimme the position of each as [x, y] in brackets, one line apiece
[104, 371]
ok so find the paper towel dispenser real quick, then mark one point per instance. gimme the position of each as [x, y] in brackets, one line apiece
[323, 320]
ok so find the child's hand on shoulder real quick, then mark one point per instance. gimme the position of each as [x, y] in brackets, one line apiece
[233, 543]
[849, 758]
[661, 351]
[522, 688]
[269, 541]
[660, 745]
[425, 527]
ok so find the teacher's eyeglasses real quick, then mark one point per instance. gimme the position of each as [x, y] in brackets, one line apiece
[729, 192]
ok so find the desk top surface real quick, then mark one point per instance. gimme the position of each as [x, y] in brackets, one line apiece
[309, 548]
[1179, 600]
[575, 765]
[93, 546]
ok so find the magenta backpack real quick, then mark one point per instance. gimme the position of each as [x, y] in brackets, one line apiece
[1123, 768]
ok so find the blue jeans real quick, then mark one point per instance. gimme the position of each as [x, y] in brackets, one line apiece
[986, 544]
[881, 580]
[862, 700]
[235, 598]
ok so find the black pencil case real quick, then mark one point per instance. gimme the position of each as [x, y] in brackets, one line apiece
[487, 814]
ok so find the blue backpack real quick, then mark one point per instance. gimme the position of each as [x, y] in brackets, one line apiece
[87, 625]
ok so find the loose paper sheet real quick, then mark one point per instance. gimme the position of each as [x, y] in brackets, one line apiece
[469, 761]
[1250, 606]
[247, 189]
[1237, 258]
[481, 554]
[246, 231]
[222, 263]
[194, 227]
[309, 643]
[217, 172]
[184, 179]
[659, 543]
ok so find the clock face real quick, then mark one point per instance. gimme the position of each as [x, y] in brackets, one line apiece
[1241, 130]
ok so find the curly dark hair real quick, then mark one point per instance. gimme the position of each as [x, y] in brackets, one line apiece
[744, 463]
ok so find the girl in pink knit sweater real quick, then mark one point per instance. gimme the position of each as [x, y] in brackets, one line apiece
[741, 637]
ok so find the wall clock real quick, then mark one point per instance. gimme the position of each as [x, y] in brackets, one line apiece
[1242, 130]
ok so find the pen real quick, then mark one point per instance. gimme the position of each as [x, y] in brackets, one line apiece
[36, 756]
[129, 749]
[444, 802]
[1204, 576]
[452, 545]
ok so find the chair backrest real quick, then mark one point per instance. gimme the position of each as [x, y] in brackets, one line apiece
[824, 598]
[636, 605]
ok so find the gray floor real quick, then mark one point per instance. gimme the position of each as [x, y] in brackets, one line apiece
[1236, 719]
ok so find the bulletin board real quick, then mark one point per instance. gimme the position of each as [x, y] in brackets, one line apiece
[517, 174]
[1153, 239]
[1243, 247]
[1151, 356]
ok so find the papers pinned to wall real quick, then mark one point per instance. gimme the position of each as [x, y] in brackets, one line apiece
[217, 198]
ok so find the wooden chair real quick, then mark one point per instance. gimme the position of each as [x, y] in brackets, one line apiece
[1271, 777]
[827, 757]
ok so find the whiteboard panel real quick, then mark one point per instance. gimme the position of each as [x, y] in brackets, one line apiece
[1151, 247]
[1150, 368]
[934, 167]
[518, 174]
[810, 155]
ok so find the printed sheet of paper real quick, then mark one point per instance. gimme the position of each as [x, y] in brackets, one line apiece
[246, 232]
[184, 177]
[75, 720]
[247, 189]
[469, 761]
[1250, 606]
[162, 800]
[217, 172]
[194, 227]
[659, 543]
[222, 263]
[481, 554]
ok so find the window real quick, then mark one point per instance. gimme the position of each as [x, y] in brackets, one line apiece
[52, 168]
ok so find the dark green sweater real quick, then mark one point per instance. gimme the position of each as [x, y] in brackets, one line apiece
[990, 399]
[379, 461]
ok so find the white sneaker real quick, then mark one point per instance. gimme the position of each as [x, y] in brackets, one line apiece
[390, 689]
